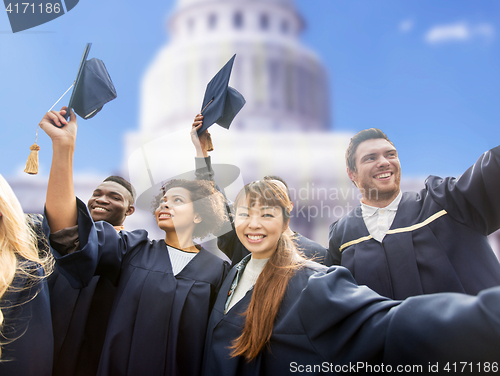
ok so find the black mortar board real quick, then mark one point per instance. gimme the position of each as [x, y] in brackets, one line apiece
[91, 90]
[93, 87]
[221, 102]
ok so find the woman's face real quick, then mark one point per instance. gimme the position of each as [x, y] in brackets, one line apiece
[259, 228]
[176, 211]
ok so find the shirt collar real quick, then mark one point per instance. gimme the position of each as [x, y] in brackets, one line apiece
[369, 211]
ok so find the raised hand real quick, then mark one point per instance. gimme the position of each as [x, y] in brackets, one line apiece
[60, 204]
[200, 142]
[58, 129]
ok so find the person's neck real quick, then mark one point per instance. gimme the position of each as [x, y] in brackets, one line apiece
[184, 241]
[288, 232]
[117, 226]
[380, 202]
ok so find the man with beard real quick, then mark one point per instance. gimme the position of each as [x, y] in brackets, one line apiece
[406, 244]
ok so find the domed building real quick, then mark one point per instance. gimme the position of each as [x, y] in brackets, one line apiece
[285, 127]
[284, 83]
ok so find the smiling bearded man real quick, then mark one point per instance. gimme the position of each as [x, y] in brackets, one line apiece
[405, 244]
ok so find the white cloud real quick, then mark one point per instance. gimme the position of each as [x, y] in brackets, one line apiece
[458, 32]
[406, 26]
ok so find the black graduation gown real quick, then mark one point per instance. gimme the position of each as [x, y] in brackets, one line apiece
[26, 311]
[326, 320]
[437, 242]
[311, 249]
[158, 321]
[79, 317]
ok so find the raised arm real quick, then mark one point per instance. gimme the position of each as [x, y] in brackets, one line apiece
[60, 204]
[203, 163]
[473, 198]
[228, 243]
[199, 141]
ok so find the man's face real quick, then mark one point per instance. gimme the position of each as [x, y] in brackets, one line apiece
[378, 172]
[110, 202]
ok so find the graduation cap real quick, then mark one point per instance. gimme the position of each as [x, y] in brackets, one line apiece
[221, 102]
[92, 89]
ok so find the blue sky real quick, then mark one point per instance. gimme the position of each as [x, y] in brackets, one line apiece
[425, 71]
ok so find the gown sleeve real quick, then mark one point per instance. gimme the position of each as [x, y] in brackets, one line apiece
[357, 324]
[446, 328]
[333, 257]
[353, 321]
[204, 170]
[228, 243]
[472, 199]
[101, 250]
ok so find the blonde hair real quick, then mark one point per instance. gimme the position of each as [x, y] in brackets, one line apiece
[271, 285]
[18, 246]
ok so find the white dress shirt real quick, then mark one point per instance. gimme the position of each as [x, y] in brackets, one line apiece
[379, 220]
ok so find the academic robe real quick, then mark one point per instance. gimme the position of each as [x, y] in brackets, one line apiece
[158, 320]
[79, 316]
[326, 320]
[437, 242]
[27, 324]
[311, 249]
[79, 319]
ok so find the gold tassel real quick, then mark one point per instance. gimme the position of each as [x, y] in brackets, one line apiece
[32, 162]
[209, 146]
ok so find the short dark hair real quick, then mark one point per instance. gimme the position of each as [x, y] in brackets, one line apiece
[119, 180]
[276, 177]
[208, 202]
[358, 138]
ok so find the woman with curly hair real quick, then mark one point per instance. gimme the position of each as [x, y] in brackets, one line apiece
[165, 288]
[24, 302]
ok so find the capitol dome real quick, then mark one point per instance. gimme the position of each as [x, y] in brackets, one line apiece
[284, 83]
[285, 127]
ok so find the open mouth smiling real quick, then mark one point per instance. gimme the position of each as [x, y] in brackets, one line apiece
[165, 216]
[255, 238]
[383, 175]
[100, 209]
